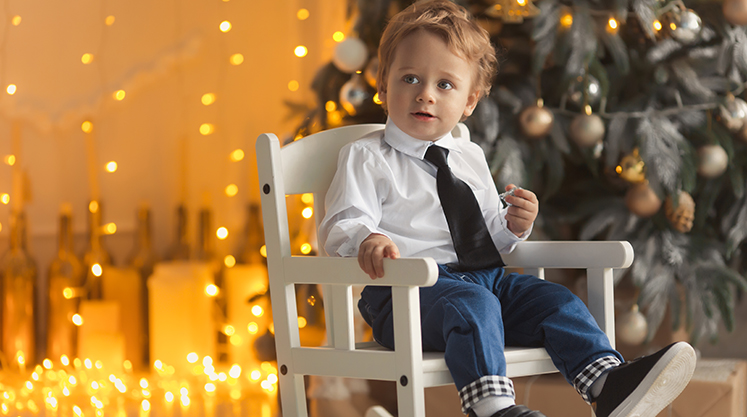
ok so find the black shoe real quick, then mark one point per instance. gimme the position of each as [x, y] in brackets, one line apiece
[514, 411]
[643, 387]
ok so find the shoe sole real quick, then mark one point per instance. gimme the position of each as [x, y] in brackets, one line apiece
[663, 383]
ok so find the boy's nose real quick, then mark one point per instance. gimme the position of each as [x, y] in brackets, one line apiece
[425, 96]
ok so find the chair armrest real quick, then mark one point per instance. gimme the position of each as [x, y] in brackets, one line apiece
[403, 272]
[571, 254]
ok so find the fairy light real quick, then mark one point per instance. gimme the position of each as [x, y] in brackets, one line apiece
[237, 155]
[236, 59]
[302, 14]
[211, 290]
[143, 383]
[119, 95]
[302, 322]
[169, 396]
[87, 58]
[612, 24]
[236, 340]
[11, 89]
[111, 166]
[16, 20]
[257, 310]
[307, 212]
[207, 129]
[10, 160]
[672, 26]
[252, 328]
[235, 371]
[306, 248]
[301, 51]
[208, 99]
[293, 85]
[232, 190]
[338, 36]
[93, 206]
[229, 261]
[376, 99]
[88, 364]
[263, 251]
[307, 198]
[330, 106]
[5, 198]
[109, 20]
[64, 360]
[86, 126]
[68, 293]
[47, 363]
[225, 26]
[229, 330]
[96, 269]
[255, 375]
[221, 233]
[210, 387]
[145, 405]
[192, 357]
[567, 20]
[657, 25]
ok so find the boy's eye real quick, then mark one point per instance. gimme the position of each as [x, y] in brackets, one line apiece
[410, 79]
[446, 85]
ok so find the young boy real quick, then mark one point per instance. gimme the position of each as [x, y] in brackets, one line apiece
[394, 195]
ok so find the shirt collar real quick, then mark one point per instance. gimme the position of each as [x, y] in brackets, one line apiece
[401, 141]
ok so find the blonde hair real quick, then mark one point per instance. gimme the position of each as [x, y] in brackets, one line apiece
[463, 36]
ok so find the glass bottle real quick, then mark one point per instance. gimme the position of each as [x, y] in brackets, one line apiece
[143, 259]
[180, 250]
[97, 258]
[19, 278]
[65, 288]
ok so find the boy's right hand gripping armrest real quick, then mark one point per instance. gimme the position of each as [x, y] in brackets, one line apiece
[421, 272]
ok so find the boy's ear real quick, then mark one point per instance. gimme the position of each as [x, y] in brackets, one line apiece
[472, 101]
[382, 93]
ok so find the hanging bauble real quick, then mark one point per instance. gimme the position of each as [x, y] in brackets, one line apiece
[712, 161]
[591, 86]
[685, 25]
[631, 327]
[586, 130]
[350, 55]
[371, 70]
[642, 201]
[632, 168]
[535, 121]
[354, 93]
[733, 113]
[735, 12]
[512, 11]
[682, 216]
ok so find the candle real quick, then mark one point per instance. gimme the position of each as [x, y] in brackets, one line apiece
[242, 283]
[123, 286]
[100, 337]
[181, 313]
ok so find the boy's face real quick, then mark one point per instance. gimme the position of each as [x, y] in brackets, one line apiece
[429, 89]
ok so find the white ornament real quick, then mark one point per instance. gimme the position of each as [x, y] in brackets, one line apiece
[350, 55]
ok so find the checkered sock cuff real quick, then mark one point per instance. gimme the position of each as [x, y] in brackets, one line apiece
[484, 387]
[586, 378]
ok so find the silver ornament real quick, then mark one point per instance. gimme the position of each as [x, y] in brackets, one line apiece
[354, 93]
[587, 130]
[632, 327]
[535, 121]
[733, 113]
[712, 161]
[576, 91]
[685, 26]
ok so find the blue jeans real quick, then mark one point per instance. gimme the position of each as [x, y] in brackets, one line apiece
[471, 316]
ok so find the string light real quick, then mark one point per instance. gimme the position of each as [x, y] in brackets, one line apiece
[306, 248]
[110, 228]
[93, 206]
[657, 25]
[252, 328]
[96, 270]
[232, 190]
[78, 321]
[111, 166]
[192, 357]
[11, 89]
[307, 198]
[5, 198]
[293, 85]
[301, 322]
[236, 59]
[207, 129]
[301, 51]
[229, 261]
[225, 26]
[338, 36]
[109, 20]
[237, 155]
[302, 14]
[376, 99]
[211, 290]
[87, 126]
[307, 212]
[612, 24]
[87, 58]
[567, 20]
[208, 99]
[119, 95]
[221, 233]
[10, 160]
[16, 20]
[330, 106]
[257, 310]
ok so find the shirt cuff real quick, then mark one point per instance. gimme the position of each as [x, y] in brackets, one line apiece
[355, 238]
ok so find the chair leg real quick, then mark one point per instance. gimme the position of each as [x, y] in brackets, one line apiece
[293, 396]
[377, 411]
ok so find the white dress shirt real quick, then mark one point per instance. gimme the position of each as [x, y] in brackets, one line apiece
[383, 185]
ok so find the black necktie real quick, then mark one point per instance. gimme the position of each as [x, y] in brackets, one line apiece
[472, 242]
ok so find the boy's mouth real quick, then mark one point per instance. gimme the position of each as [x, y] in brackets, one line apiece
[423, 115]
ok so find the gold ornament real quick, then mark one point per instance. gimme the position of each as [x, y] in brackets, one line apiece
[513, 11]
[587, 130]
[642, 201]
[683, 215]
[733, 113]
[735, 12]
[712, 161]
[535, 121]
[632, 327]
[632, 168]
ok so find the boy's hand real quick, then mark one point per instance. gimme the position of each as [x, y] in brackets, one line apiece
[372, 252]
[523, 210]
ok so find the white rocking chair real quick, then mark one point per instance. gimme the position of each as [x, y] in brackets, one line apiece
[307, 166]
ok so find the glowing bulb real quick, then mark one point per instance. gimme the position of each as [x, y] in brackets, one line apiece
[210, 387]
[86, 58]
[293, 85]
[673, 26]
[232, 190]
[111, 166]
[235, 371]
[77, 320]
[307, 198]
[143, 383]
[306, 248]
[208, 99]
[612, 23]
[127, 365]
[47, 364]
[169, 396]
[225, 26]
[338, 36]
[11, 89]
[229, 330]
[272, 378]
[253, 328]
[68, 293]
[88, 364]
[145, 405]
[237, 155]
[109, 20]
[207, 361]
[301, 322]
[301, 51]
[5, 198]
[263, 251]
[96, 270]
[211, 290]
[567, 20]
[87, 126]
[257, 311]
[185, 400]
[65, 360]
[207, 128]
[376, 99]
[236, 340]
[657, 25]
[119, 95]
[330, 106]
[10, 160]
[221, 233]
[302, 14]
[16, 20]
[307, 212]
[229, 261]
[192, 357]
[236, 59]
[521, 2]
[256, 375]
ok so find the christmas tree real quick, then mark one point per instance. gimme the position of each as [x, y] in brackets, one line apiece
[625, 117]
